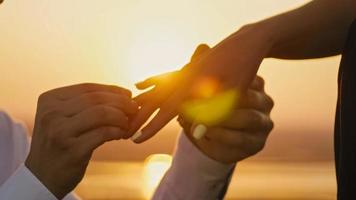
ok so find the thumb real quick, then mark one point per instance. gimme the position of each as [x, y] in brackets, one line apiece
[200, 50]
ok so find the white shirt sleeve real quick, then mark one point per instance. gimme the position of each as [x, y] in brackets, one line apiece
[23, 185]
[16, 181]
[193, 176]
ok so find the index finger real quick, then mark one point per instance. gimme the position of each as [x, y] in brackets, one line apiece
[248, 120]
[69, 92]
[163, 117]
[167, 112]
[258, 84]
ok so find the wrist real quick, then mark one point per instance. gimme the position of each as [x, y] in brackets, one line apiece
[47, 182]
[266, 32]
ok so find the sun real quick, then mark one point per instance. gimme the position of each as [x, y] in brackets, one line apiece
[156, 48]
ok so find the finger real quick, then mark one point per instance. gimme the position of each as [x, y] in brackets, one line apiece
[155, 95]
[258, 84]
[87, 100]
[163, 117]
[248, 120]
[142, 116]
[167, 112]
[225, 136]
[93, 139]
[95, 117]
[270, 103]
[200, 50]
[154, 80]
[143, 98]
[199, 131]
[254, 99]
[247, 144]
[69, 92]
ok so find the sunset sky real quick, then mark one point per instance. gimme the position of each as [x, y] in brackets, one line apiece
[46, 44]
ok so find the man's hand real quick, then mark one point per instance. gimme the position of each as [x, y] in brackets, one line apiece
[243, 134]
[71, 122]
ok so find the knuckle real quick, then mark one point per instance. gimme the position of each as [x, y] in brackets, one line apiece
[101, 135]
[106, 133]
[270, 102]
[255, 118]
[260, 81]
[102, 112]
[85, 86]
[233, 143]
[270, 126]
[230, 140]
[255, 98]
[120, 90]
[94, 99]
[104, 130]
[42, 97]
[111, 133]
[49, 116]
[254, 146]
[259, 146]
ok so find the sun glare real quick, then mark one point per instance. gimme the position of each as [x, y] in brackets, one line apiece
[210, 104]
[156, 48]
[155, 167]
[206, 88]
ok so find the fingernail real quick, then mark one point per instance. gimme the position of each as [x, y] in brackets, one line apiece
[199, 131]
[136, 136]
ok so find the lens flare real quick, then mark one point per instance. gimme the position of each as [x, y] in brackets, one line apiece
[211, 105]
[205, 88]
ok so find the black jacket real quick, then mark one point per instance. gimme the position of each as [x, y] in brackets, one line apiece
[345, 121]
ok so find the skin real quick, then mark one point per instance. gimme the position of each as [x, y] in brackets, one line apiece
[240, 135]
[71, 122]
[291, 35]
[243, 134]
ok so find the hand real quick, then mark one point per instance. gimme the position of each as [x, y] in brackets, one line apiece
[233, 62]
[70, 123]
[150, 100]
[243, 134]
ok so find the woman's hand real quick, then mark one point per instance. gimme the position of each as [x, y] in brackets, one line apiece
[243, 133]
[233, 63]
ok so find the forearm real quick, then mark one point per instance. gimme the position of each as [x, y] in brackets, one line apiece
[317, 29]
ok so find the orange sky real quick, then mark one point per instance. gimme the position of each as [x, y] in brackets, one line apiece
[47, 44]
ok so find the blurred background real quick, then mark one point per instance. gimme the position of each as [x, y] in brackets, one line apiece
[46, 44]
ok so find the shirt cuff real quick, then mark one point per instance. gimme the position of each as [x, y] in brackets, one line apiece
[193, 175]
[23, 185]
